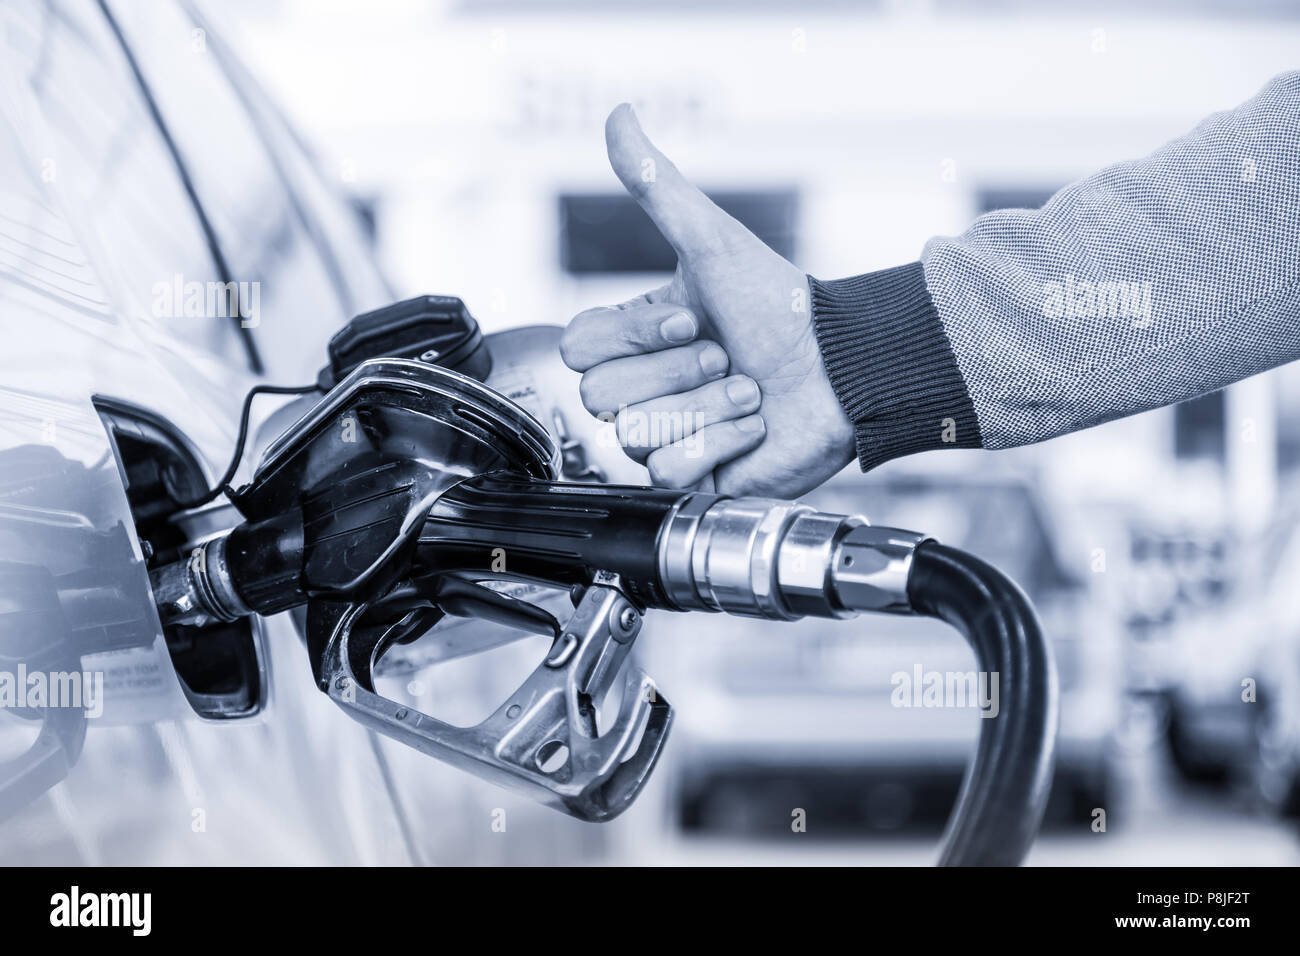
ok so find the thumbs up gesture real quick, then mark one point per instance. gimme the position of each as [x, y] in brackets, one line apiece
[717, 374]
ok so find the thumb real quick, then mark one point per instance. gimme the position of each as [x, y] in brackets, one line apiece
[688, 219]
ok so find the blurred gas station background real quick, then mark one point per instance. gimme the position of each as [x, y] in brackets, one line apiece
[1161, 550]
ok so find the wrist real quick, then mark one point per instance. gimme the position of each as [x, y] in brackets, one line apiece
[842, 432]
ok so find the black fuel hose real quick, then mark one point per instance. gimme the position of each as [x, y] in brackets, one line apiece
[1006, 786]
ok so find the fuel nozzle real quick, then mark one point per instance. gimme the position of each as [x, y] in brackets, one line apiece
[680, 550]
[408, 488]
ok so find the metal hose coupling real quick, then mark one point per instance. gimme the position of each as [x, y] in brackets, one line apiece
[198, 590]
[768, 558]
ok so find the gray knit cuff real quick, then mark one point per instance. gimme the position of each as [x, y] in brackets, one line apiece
[891, 364]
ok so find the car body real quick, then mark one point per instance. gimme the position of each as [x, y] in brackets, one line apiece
[142, 162]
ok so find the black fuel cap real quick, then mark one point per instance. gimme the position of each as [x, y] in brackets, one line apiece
[431, 328]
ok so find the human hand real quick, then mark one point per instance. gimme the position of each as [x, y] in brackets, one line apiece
[719, 371]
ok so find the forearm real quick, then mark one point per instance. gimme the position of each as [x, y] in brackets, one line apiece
[1148, 283]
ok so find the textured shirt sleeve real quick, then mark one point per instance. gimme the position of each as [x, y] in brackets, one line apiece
[1150, 282]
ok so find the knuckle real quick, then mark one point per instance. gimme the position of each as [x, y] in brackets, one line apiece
[623, 428]
[574, 343]
[698, 413]
[589, 392]
[568, 348]
[661, 469]
[636, 331]
[633, 339]
[664, 374]
[637, 432]
[715, 401]
[681, 373]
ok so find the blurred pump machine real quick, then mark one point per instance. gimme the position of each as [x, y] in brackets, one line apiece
[409, 490]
